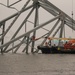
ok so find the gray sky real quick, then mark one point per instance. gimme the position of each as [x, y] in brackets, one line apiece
[65, 6]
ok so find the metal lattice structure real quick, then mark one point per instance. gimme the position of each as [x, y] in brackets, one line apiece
[58, 16]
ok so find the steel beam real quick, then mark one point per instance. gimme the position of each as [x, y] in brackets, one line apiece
[38, 24]
[10, 49]
[58, 10]
[70, 26]
[25, 20]
[35, 24]
[13, 3]
[62, 27]
[36, 28]
[56, 31]
[35, 40]
[2, 42]
[12, 16]
[27, 45]
[46, 3]
[20, 45]
[19, 13]
[49, 9]
[49, 33]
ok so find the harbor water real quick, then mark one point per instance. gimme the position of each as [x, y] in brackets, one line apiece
[37, 64]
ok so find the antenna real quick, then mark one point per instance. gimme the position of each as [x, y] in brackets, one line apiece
[72, 15]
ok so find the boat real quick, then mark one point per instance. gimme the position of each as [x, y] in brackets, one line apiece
[67, 48]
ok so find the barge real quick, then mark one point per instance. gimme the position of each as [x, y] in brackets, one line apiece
[55, 50]
[67, 48]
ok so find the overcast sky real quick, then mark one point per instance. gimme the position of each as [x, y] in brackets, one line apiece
[64, 5]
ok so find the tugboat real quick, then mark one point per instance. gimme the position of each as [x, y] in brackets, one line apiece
[68, 48]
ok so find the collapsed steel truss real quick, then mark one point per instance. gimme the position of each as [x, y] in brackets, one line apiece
[59, 15]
